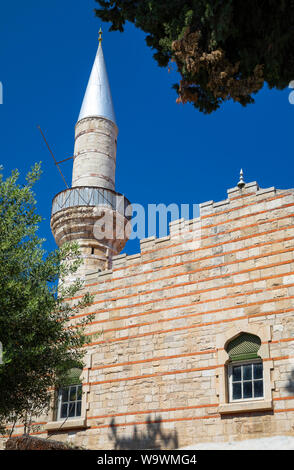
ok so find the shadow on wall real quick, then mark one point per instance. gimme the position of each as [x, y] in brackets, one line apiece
[151, 436]
[290, 384]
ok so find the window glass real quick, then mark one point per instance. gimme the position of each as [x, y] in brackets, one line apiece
[258, 388]
[247, 372]
[64, 410]
[246, 381]
[257, 368]
[65, 394]
[236, 373]
[247, 390]
[70, 402]
[237, 392]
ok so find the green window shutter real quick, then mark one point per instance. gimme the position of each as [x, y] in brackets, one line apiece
[72, 377]
[244, 347]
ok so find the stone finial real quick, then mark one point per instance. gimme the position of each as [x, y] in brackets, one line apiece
[241, 183]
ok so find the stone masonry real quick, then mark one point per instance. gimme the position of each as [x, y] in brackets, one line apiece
[95, 153]
[156, 375]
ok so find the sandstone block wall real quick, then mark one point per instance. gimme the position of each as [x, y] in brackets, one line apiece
[153, 376]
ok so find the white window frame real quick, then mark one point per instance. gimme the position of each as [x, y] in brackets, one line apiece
[222, 384]
[230, 380]
[60, 402]
[53, 423]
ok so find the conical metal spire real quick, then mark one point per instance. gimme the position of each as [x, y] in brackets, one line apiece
[97, 100]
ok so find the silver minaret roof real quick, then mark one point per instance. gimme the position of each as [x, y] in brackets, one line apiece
[97, 100]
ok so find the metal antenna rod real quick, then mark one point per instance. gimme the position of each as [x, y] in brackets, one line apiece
[56, 163]
[65, 160]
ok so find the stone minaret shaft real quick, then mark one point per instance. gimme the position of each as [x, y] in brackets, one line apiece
[95, 153]
[78, 212]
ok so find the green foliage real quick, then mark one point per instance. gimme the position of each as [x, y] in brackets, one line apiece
[38, 346]
[238, 45]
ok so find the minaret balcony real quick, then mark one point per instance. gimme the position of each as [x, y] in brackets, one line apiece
[85, 196]
[95, 217]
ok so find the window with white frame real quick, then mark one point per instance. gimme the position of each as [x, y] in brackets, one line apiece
[246, 381]
[70, 402]
[245, 369]
[70, 396]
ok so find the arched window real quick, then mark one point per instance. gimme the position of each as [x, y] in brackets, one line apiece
[245, 368]
[70, 395]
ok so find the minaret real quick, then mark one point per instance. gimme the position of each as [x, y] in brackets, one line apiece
[91, 212]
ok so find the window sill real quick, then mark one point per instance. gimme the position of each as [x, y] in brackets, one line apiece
[246, 406]
[72, 423]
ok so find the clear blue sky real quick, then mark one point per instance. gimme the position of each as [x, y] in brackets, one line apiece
[166, 152]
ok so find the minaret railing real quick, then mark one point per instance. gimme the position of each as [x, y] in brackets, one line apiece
[91, 197]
